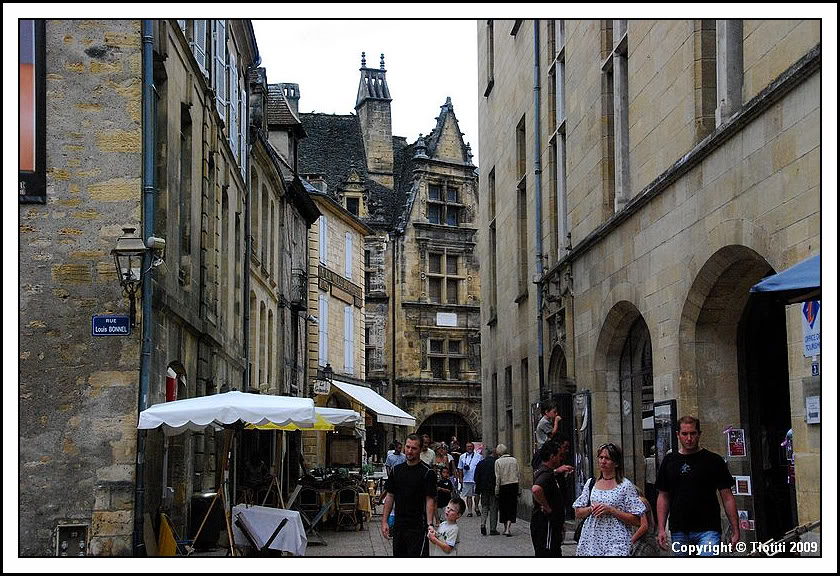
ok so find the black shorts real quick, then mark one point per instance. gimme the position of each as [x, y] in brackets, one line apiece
[410, 542]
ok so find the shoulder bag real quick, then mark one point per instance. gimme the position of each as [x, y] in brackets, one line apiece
[579, 527]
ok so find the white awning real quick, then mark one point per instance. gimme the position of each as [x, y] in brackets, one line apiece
[386, 412]
[218, 409]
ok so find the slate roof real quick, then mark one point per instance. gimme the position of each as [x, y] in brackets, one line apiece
[333, 147]
[278, 111]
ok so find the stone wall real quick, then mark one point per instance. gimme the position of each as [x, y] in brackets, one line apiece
[78, 393]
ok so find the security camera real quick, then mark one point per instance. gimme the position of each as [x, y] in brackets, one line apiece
[313, 319]
[155, 243]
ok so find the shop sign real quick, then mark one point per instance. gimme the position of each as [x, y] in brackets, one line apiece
[811, 328]
[321, 387]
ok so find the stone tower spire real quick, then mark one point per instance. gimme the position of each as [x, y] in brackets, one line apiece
[373, 106]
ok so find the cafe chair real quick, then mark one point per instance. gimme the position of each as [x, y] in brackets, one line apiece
[346, 508]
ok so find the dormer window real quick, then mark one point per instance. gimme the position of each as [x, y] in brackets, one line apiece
[353, 206]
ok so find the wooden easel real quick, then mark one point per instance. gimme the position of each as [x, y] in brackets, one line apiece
[220, 493]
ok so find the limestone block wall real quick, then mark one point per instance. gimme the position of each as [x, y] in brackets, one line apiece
[771, 46]
[78, 393]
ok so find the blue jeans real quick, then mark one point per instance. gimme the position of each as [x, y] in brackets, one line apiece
[709, 540]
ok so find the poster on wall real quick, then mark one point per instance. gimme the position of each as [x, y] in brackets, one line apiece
[744, 519]
[743, 486]
[582, 431]
[736, 446]
[811, 328]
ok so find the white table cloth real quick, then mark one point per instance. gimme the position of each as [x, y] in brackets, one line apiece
[292, 538]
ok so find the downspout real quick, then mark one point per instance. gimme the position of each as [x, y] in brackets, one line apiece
[538, 184]
[246, 268]
[139, 547]
[394, 325]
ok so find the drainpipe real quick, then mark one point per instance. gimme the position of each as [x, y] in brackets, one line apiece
[138, 546]
[246, 268]
[538, 185]
[394, 325]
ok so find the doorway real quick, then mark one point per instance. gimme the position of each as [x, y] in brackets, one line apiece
[765, 409]
[441, 427]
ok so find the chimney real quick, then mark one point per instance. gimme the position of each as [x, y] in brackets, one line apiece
[373, 106]
[292, 94]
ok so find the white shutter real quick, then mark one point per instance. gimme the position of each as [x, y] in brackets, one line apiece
[322, 240]
[348, 256]
[243, 130]
[348, 340]
[221, 67]
[322, 329]
[199, 44]
[233, 125]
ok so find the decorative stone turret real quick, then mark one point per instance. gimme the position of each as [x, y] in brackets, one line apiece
[420, 147]
[373, 105]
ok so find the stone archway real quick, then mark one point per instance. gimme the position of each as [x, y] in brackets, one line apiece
[441, 425]
[734, 374]
[620, 376]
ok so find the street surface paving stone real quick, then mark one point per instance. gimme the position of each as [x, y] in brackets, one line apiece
[369, 541]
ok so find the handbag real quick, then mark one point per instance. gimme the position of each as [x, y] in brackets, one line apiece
[579, 527]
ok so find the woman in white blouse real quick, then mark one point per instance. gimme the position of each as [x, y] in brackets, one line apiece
[612, 509]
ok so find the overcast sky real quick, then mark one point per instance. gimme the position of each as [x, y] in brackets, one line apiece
[426, 61]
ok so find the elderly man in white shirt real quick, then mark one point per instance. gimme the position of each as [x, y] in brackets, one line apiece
[466, 474]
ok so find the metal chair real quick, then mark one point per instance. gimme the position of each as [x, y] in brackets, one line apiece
[347, 502]
[312, 512]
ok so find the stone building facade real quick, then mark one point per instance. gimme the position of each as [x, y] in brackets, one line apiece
[421, 283]
[678, 163]
[77, 392]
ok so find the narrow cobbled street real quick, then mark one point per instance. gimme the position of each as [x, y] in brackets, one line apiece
[369, 541]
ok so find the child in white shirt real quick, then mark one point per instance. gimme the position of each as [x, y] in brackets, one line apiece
[444, 540]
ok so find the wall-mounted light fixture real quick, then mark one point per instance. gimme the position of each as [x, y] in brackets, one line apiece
[128, 258]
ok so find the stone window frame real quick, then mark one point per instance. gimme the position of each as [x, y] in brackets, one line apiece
[446, 356]
[556, 33]
[615, 66]
[443, 200]
[32, 184]
[444, 275]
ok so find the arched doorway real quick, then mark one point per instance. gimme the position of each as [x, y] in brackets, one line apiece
[765, 413]
[442, 426]
[635, 398]
[734, 347]
[561, 391]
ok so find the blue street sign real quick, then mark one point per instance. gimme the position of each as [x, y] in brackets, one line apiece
[110, 325]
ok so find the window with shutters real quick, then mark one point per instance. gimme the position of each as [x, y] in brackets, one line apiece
[199, 45]
[323, 340]
[233, 107]
[243, 131]
[348, 256]
[322, 240]
[349, 340]
[220, 85]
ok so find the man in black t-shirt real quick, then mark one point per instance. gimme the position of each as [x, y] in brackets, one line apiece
[688, 484]
[412, 488]
[548, 519]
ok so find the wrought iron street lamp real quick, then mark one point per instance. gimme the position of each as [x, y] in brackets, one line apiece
[128, 258]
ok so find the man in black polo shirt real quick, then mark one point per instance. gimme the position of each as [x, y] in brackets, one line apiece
[548, 519]
[688, 484]
[412, 488]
